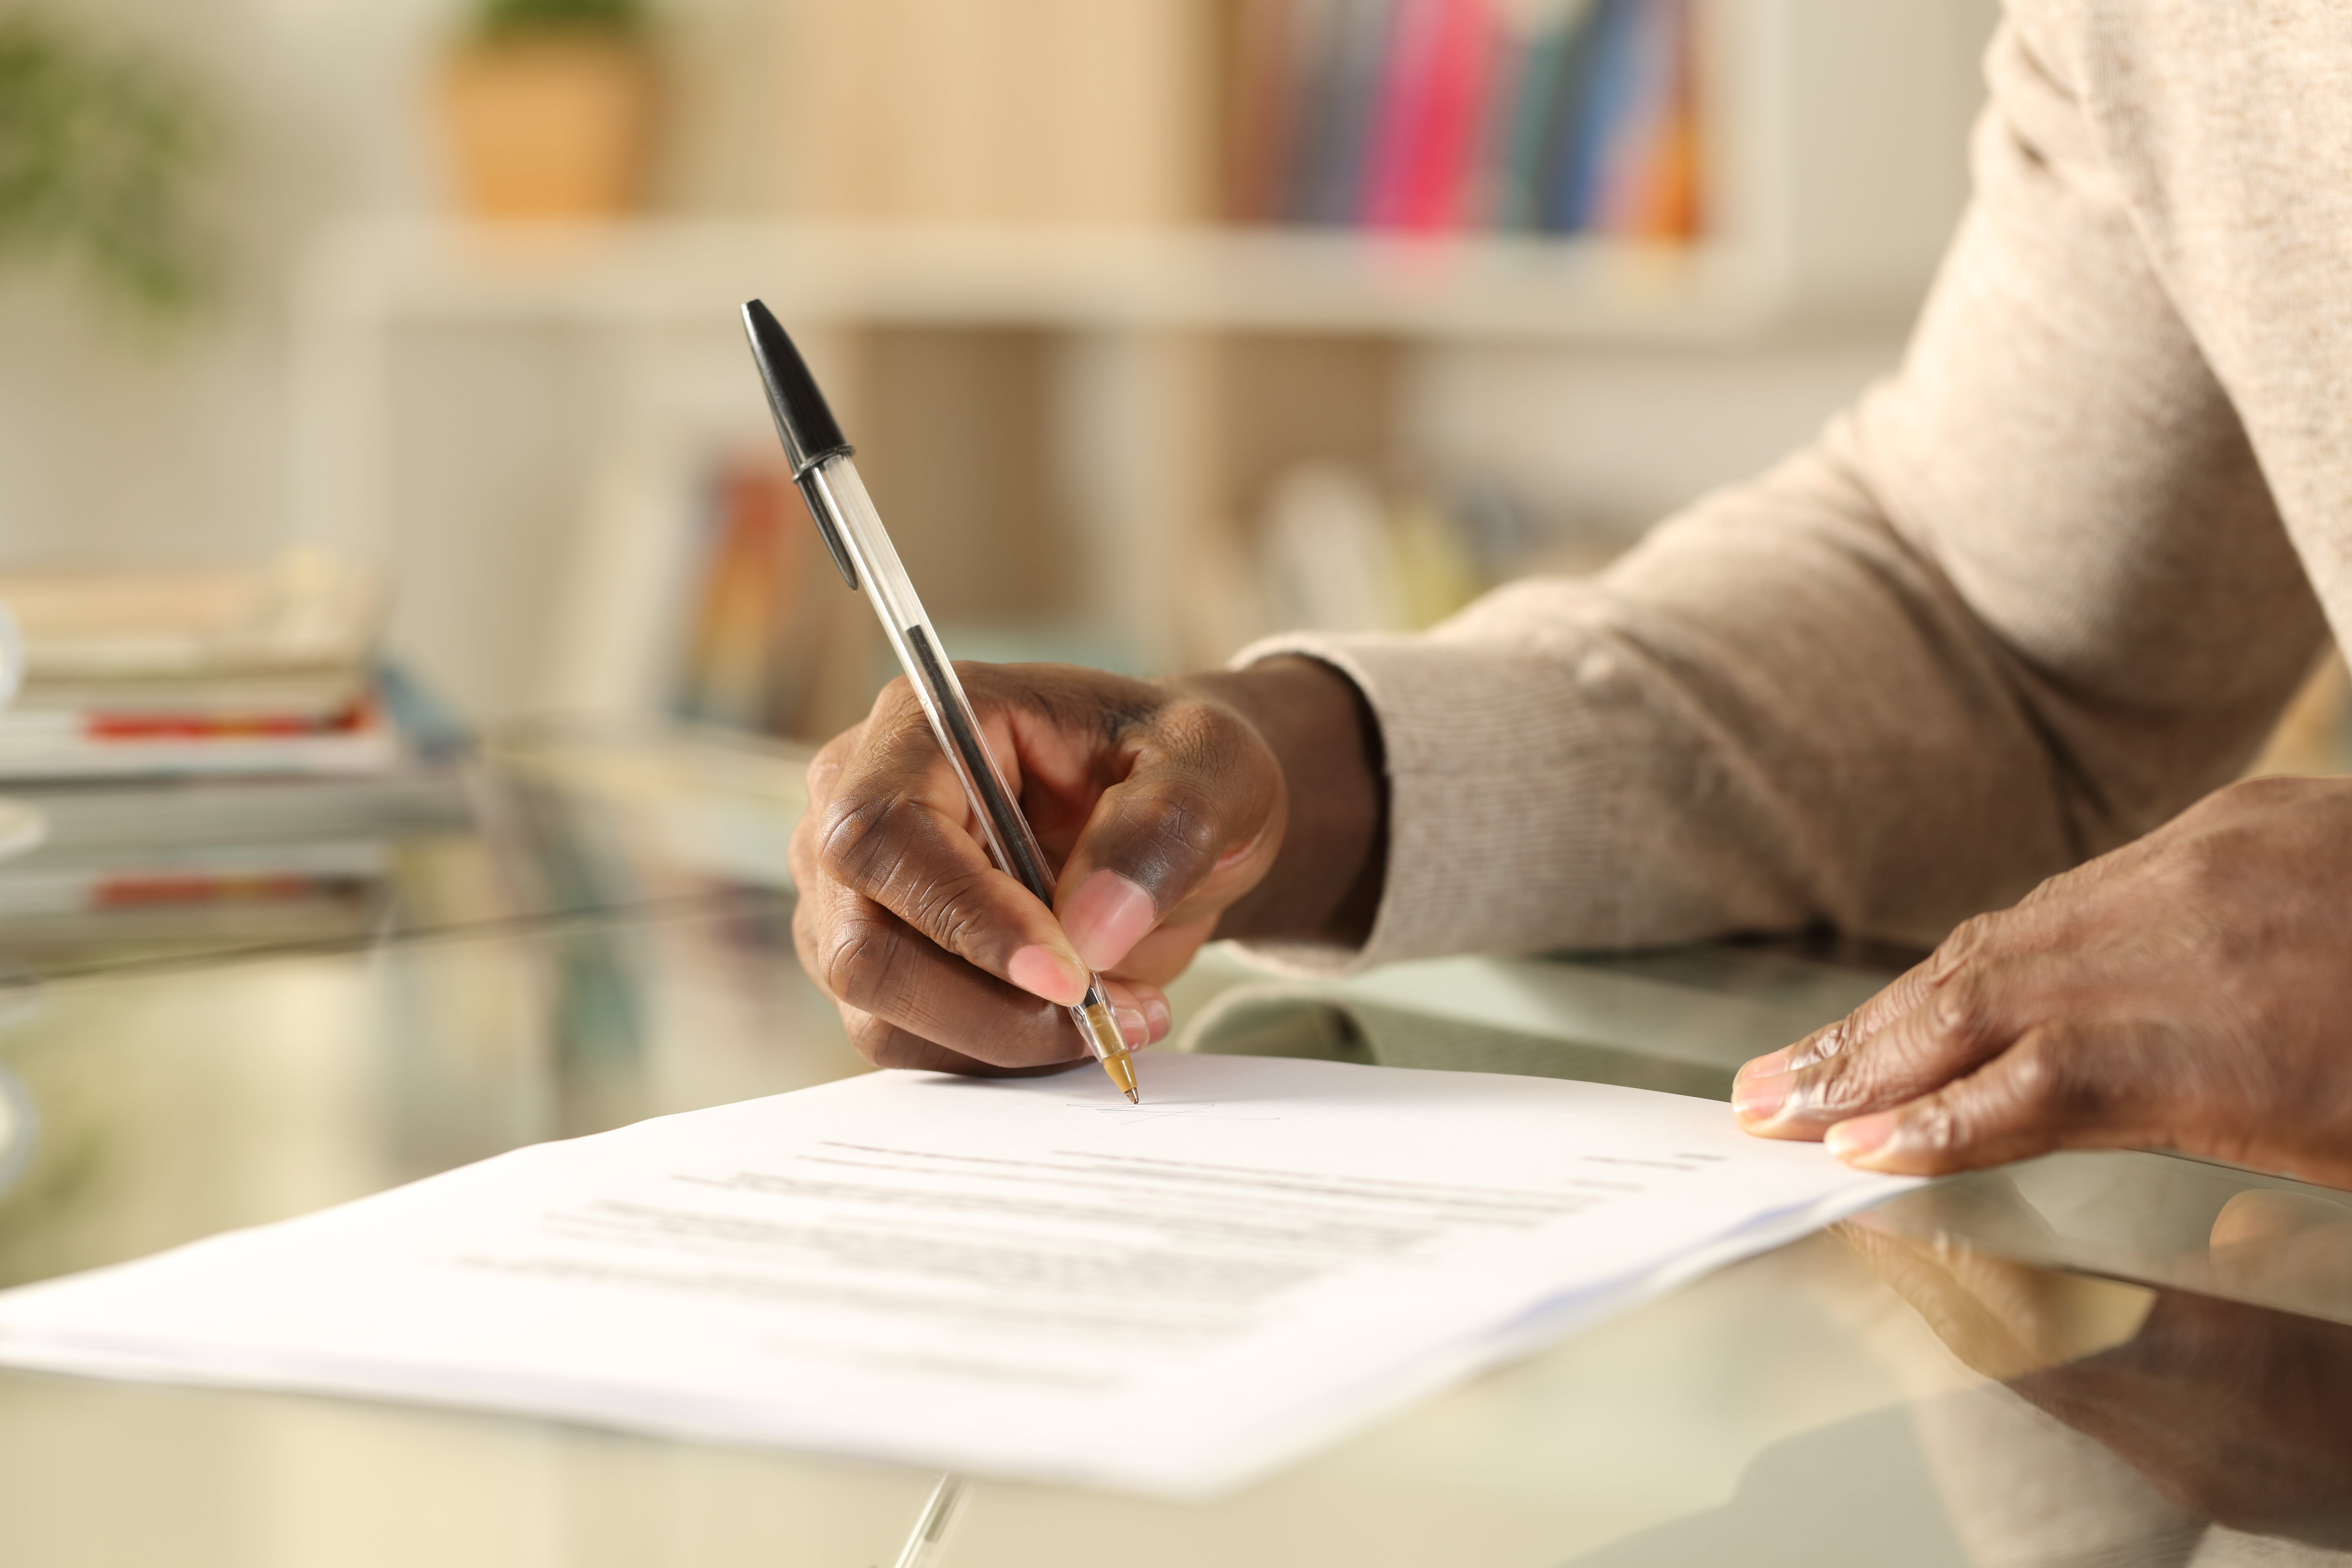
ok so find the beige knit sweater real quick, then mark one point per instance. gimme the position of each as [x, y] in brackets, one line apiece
[2033, 595]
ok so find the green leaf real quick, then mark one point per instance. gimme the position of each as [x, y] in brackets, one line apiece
[97, 150]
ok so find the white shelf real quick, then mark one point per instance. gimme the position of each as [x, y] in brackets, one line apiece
[679, 272]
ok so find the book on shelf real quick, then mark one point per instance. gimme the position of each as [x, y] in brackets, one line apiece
[700, 593]
[756, 606]
[1555, 117]
[148, 674]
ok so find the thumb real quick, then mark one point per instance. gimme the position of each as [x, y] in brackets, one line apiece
[1192, 826]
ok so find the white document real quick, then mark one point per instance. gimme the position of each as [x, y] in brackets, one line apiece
[1026, 1278]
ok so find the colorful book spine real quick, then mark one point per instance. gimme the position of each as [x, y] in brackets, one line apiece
[730, 672]
[1426, 130]
[1433, 116]
[1634, 164]
[1596, 96]
[1361, 43]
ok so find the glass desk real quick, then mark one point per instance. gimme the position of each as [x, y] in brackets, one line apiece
[2051, 1364]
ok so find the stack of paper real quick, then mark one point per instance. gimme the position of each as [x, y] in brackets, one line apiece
[1027, 1278]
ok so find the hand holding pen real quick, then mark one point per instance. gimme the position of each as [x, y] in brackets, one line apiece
[1242, 803]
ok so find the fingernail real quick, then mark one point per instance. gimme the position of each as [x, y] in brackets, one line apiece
[1157, 1012]
[1041, 971]
[1133, 1026]
[1761, 1089]
[1107, 916]
[1866, 1138]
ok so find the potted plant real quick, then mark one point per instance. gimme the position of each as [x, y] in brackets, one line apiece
[549, 107]
[99, 148]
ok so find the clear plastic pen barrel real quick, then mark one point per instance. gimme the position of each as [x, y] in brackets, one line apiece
[835, 486]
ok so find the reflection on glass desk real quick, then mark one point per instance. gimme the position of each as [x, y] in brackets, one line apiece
[2089, 1359]
[559, 822]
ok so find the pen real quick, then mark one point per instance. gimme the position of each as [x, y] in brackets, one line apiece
[845, 514]
[929, 1542]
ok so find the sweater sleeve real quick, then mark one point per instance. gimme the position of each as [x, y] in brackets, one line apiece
[2026, 600]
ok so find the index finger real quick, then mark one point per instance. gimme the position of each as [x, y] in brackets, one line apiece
[899, 831]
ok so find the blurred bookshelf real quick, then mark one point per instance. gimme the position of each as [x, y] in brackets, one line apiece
[1821, 187]
[1817, 175]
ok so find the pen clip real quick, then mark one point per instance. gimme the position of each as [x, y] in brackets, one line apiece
[824, 529]
[804, 421]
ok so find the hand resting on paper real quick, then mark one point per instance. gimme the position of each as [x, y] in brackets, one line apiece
[2187, 991]
[1244, 802]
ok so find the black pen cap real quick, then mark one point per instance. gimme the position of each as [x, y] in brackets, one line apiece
[809, 430]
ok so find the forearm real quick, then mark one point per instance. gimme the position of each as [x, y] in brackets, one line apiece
[1775, 714]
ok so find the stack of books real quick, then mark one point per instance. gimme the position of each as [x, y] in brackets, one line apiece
[1554, 117]
[231, 672]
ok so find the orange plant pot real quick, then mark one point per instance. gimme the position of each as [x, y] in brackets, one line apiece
[557, 126]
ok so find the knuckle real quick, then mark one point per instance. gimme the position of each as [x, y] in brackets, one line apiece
[894, 702]
[949, 911]
[2202, 867]
[1207, 737]
[1825, 1043]
[825, 769]
[1179, 822]
[1208, 728]
[2259, 794]
[1937, 1127]
[2075, 883]
[2045, 1080]
[1842, 1081]
[1188, 724]
[1969, 940]
[1834, 1084]
[882, 1044]
[860, 836]
[2042, 892]
[1965, 1009]
[855, 959]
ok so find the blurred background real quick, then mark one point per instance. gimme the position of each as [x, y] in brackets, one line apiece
[1160, 323]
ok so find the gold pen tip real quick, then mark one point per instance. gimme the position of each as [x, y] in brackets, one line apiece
[1121, 1068]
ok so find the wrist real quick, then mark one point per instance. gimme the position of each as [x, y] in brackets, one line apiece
[1326, 881]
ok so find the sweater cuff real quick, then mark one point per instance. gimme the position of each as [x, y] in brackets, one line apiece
[1481, 771]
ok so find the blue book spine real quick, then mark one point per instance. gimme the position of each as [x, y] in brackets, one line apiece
[1599, 93]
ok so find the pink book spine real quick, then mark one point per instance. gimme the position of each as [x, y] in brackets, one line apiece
[1462, 53]
[1401, 113]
